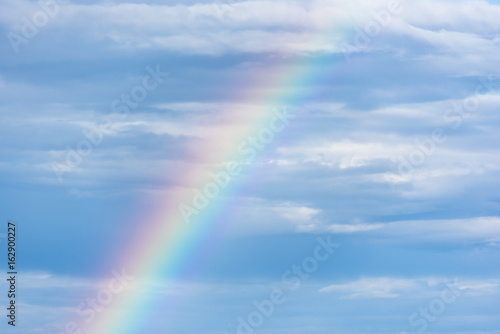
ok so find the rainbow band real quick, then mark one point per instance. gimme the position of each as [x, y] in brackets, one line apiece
[165, 243]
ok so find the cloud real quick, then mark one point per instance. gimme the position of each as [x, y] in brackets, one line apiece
[44, 280]
[352, 228]
[262, 26]
[485, 230]
[480, 229]
[380, 287]
[296, 213]
[391, 287]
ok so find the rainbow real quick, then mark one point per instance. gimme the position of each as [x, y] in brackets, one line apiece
[163, 244]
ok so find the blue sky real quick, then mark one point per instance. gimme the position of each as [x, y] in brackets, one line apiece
[393, 153]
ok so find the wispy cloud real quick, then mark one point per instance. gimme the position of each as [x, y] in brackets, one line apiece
[392, 287]
[380, 287]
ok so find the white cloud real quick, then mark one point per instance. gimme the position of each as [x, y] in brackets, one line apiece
[392, 287]
[477, 16]
[480, 229]
[297, 213]
[43, 280]
[379, 287]
[264, 26]
[351, 228]
[472, 230]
